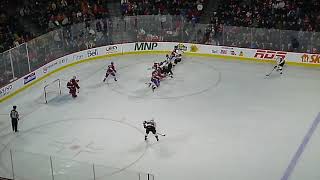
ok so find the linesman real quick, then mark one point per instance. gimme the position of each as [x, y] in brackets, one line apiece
[14, 118]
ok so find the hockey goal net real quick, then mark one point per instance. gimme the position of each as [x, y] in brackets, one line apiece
[52, 90]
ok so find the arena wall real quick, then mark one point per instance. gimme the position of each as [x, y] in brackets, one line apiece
[230, 53]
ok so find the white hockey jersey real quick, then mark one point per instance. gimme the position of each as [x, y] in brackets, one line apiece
[280, 60]
[150, 124]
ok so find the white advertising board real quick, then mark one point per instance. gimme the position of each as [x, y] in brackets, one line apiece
[138, 47]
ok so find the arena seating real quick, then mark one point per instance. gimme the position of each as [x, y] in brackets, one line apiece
[43, 16]
[191, 9]
[272, 14]
[31, 18]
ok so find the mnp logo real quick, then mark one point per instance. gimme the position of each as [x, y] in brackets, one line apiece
[92, 53]
[312, 58]
[194, 48]
[145, 46]
[268, 54]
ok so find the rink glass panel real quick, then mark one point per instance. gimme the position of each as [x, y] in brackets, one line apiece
[100, 32]
[26, 165]
[19, 61]
[6, 73]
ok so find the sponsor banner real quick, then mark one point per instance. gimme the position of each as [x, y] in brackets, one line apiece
[77, 56]
[55, 64]
[111, 49]
[269, 54]
[146, 46]
[92, 53]
[32, 76]
[158, 46]
[6, 90]
[228, 51]
[310, 58]
[194, 48]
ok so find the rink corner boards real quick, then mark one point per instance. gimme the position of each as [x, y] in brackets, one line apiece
[103, 57]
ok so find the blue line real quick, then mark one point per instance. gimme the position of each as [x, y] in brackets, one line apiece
[302, 147]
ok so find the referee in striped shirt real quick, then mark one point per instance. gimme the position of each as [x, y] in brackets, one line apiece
[14, 118]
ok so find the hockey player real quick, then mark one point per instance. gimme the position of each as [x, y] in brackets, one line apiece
[280, 63]
[111, 71]
[150, 126]
[155, 81]
[166, 67]
[155, 66]
[73, 85]
[176, 57]
[113, 67]
[169, 68]
[181, 48]
[159, 73]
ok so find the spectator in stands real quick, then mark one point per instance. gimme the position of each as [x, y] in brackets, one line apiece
[46, 15]
[191, 9]
[279, 14]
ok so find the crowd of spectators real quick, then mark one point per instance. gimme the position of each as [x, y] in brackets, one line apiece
[284, 25]
[26, 20]
[191, 9]
[43, 16]
[11, 33]
[234, 23]
[299, 15]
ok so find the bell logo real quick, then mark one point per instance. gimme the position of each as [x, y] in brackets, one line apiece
[92, 53]
[194, 48]
[241, 53]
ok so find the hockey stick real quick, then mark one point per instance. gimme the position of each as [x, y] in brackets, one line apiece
[271, 71]
[161, 134]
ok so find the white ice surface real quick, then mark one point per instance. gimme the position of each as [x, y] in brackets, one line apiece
[223, 119]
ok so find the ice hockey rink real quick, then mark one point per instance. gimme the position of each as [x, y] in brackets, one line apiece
[223, 120]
